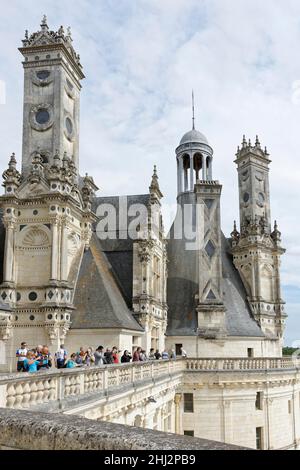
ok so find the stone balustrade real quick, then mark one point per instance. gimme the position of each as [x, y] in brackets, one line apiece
[23, 390]
[241, 364]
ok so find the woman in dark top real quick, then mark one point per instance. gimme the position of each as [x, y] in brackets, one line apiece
[126, 357]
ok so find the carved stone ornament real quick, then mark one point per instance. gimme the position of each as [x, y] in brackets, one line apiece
[42, 78]
[5, 327]
[144, 251]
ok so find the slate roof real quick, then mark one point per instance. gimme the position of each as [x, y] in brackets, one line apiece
[98, 299]
[119, 252]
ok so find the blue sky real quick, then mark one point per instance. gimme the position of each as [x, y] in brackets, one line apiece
[142, 58]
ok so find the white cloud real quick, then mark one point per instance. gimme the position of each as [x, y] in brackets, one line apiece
[142, 58]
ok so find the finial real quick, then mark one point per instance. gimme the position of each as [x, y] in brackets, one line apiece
[244, 143]
[69, 33]
[257, 142]
[266, 151]
[249, 144]
[193, 106]
[154, 186]
[44, 24]
[26, 34]
[12, 161]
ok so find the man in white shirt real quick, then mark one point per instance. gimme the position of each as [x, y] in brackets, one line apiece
[21, 356]
[61, 357]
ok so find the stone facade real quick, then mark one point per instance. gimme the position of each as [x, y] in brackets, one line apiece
[65, 279]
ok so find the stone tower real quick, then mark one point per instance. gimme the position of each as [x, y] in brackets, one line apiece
[196, 237]
[47, 213]
[150, 273]
[52, 74]
[256, 248]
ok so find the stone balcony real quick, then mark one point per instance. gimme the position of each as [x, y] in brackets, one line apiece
[65, 388]
[150, 395]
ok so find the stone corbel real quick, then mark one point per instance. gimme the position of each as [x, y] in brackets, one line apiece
[53, 331]
[64, 329]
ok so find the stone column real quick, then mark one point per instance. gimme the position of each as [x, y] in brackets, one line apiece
[204, 173]
[9, 252]
[178, 177]
[177, 401]
[54, 260]
[209, 172]
[192, 173]
[64, 253]
[180, 174]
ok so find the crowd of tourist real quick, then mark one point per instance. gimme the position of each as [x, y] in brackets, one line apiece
[40, 358]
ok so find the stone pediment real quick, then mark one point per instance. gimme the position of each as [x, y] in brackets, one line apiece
[33, 188]
[40, 39]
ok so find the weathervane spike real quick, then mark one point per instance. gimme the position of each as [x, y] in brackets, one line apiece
[193, 103]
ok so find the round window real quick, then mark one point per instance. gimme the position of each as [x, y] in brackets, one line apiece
[261, 198]
[42, 116]
[43, 74]
[32, 296]
[69, 125]
[18, 296]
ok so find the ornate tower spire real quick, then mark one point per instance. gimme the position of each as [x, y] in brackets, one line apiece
[256, 250]
[154, 188]
[52, 75]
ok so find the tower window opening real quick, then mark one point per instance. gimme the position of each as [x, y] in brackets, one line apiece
[208, 169]
[198, 165]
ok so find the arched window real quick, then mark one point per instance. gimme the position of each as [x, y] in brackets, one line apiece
[198, 165]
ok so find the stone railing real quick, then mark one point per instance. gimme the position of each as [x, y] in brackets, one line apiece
[24, 430]
[25, 390]
[241, 364]
[54, 387]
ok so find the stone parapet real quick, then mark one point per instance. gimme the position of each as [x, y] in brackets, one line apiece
[25, 430]
[59, 388]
